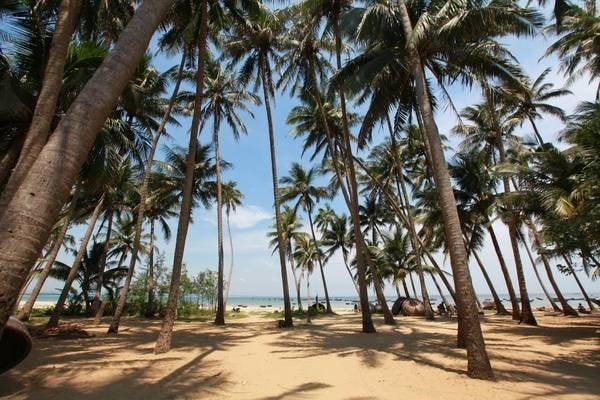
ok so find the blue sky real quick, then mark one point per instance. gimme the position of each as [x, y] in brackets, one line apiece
[256, 271]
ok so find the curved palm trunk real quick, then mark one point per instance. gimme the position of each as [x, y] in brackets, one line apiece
[314, 238]
[439, 289]
[527, 316]
[566, 308]
[536, 131]
[45, 108]
[163, 342]
[539, 278]
[150, 306]
[412, 284]
[114, 325]
[266, 84]
[585, 295]
[388, 318]
[24, 314]
[230, 260]
[97, 302]
[60, 304]
[500, 309]
[516, 312]
[478, 365]
[34, 208]
[220, 316]
[350, 272]
[405, 288]
[361, 250]
[415, 243]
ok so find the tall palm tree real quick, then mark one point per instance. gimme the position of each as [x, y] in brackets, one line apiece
[336, 236]
[576, 47]
[225, 97]
[530, 99]
[232, 198]
[43, 114]
[254, 44]
[291, 234]
[306, 255]
[331, 12]
[47, 185]
[160, 205]
[301, 189]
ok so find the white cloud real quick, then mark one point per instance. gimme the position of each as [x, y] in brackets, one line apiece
[243, 217]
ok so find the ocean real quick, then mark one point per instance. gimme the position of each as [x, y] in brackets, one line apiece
[275, 302]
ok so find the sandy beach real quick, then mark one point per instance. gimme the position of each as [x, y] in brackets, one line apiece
[251, 359]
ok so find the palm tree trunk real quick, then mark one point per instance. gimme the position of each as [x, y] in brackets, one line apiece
[412, 284]
[163, 342]
[9, 160]
[45, 108]
[500, 309]
[266, 84]
[539, 278]
[60, 304]
[404, 218]
[566, 308]
[296, 283]
[96, 303]
[220, 315]
[536, 131]
[29, 217]
[439, 289]
[150, 306]
[314, 238]
[114, 325]
[51, 258]
[361, 251]
[478, 364]
[308, 299]
[516, 312]
[397, 290]
[350, 273]
[415, 243]
[405, 288]
[585, 295]
[527, 316]
[230, 261]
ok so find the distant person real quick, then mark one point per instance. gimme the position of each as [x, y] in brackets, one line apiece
[441, 309]
[355, 307]
[582, 309]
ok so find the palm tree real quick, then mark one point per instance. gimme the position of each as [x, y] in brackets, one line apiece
[530, 100]
[159, 206]
[89, 268]
[301, 189]
[43, 114]
[255, 44]
[331, 12]
[576, 47]
[47, 185]
[225, 96]
[232, 198]
[58, 308]
[336, 236]
[291, 234]
[372, 215]
[306, 255]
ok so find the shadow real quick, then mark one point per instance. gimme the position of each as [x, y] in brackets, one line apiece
[303, 390]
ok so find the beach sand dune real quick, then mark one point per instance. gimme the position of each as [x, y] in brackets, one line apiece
[330, 359]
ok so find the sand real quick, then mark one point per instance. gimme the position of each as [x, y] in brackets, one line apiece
[330, 359]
